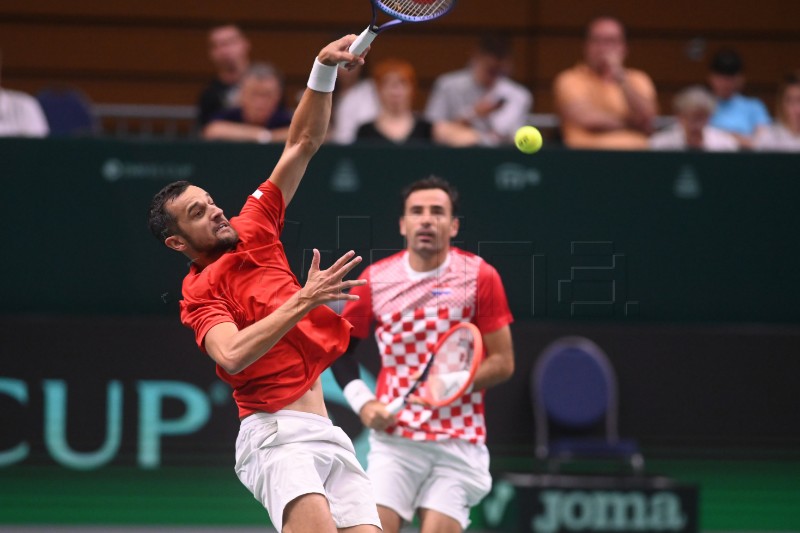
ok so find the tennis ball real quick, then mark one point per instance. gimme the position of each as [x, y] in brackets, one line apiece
[528, 139]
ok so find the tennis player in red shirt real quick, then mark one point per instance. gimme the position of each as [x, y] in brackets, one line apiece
[270, 337]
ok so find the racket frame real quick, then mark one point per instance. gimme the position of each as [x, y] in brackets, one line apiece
[395, 405]
[366, 37]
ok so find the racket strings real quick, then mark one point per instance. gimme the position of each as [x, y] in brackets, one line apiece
[416, 9]
[451, 364]
[454, 356]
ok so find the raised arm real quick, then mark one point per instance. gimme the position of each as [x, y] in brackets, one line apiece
[311, 118]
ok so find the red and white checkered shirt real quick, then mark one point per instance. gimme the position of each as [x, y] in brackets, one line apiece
[411, 310]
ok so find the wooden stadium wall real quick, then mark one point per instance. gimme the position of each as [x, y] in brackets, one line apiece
[154, 52]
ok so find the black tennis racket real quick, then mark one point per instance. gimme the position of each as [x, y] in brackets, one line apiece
[401, 11]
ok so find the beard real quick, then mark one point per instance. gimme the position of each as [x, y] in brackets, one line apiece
[226, 243]
[220, 246]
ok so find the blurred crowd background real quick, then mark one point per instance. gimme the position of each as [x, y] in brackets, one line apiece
[622, 74]
[695, 309]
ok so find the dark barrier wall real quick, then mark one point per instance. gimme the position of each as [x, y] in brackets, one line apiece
[86, 392]
[615, 236]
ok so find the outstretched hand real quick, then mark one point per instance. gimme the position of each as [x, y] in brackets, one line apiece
[325, 286]
[337, 53]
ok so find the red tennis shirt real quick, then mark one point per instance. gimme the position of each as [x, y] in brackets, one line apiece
[246, 285]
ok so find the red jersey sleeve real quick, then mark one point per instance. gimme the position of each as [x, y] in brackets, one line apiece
[202, 315]
[263, 214]
[359, 312]
[492, 312]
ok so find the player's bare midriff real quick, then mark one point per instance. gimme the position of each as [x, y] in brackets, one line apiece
[311, 402]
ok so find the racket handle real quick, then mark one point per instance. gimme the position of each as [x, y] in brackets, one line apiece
[361, 43]
[395, 405]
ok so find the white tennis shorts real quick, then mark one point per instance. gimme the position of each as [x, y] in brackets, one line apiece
[446, 476]
[282, 456]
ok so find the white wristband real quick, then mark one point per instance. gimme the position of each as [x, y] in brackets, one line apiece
[322, 77]
[357, 394]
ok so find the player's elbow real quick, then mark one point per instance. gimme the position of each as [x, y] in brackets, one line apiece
[506, 369]
[227, 359]
[229, 365]
[305, 143]
[233, 368]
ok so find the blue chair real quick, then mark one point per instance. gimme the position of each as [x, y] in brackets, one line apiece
[574, 391]
[68, 111]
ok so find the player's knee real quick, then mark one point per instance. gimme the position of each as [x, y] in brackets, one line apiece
[308, 513]
[390, 520]
[436, 522]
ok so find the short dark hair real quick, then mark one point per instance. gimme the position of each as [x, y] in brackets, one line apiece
[495, 45]
[432, 182]
[162, 224]
[727, 62]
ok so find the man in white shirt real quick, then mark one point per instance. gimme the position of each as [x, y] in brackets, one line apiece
[482, 95]
[21, 115]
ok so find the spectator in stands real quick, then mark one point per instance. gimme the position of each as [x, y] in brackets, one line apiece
[229, 51]
[482, 96]
[738, 114]
[601, 103]
[262, 116]
[396, 123]
[20, 114]
[784, 134]
[693, 108]
[355, 102]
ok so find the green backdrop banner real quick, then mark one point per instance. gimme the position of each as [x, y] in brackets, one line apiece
[586, 235]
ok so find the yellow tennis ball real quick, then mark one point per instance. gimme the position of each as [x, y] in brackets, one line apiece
[528, 139]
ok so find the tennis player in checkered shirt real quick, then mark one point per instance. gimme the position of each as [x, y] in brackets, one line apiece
[428, 461]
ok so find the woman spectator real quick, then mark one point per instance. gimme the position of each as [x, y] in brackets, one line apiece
[396, 123]
[784, 134]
